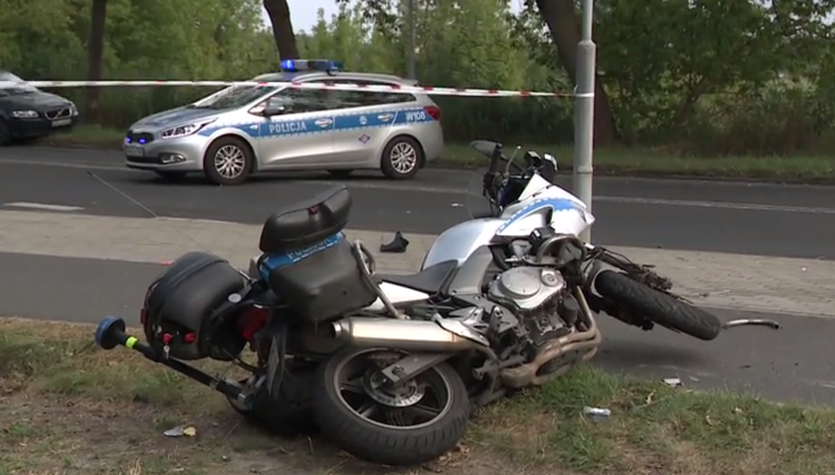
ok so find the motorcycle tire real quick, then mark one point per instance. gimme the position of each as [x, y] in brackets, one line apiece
[382, 443]
[657, 306]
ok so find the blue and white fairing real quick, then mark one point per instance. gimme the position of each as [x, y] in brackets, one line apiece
[540, 204]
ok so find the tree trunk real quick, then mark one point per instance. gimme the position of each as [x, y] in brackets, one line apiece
[95, 52]
[285, 38]
[564, 26]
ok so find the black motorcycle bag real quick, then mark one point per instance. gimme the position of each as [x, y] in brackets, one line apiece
[320, 283]
[183, 298]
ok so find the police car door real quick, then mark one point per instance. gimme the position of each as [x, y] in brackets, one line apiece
[363, 122]
[297, 131]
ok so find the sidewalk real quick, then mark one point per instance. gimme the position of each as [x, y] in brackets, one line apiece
[768, 284]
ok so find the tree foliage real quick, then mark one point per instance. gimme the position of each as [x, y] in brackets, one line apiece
[705, 76]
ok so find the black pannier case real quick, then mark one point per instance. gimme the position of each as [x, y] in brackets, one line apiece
[183, 298]
[324, 285]
[309, 263]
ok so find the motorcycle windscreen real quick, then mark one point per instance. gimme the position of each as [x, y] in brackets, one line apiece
[476, 201]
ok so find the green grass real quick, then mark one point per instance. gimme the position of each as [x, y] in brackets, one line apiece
[618, 162]
[67, 404]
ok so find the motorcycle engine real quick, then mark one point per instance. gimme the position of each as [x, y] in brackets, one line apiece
[539, 298]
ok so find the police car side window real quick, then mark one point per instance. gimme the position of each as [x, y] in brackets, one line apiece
[296, 101]
[359, 98]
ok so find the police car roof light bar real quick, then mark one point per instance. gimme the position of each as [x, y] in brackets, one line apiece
[296, 65]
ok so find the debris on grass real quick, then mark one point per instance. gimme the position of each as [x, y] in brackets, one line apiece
[673, 382]
[181, 431]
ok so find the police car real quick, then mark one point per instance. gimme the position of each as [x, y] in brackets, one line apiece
[251, 128]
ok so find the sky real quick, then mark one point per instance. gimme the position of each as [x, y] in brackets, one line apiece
[303, 12]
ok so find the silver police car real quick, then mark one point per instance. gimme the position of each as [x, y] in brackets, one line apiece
[245, 129]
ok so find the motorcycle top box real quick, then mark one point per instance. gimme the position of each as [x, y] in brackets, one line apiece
[307, 222]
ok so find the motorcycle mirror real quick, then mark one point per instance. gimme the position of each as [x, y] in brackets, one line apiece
[484, 147]
[550, 159]
[548, 170]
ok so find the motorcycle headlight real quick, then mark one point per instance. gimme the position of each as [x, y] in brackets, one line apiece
[184, 130]
[26, 114]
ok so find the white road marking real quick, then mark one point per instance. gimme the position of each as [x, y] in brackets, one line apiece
[43, 206]
[81, 166]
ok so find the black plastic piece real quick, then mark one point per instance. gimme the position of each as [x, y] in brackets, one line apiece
[184, 299]
[431, 280]
[397, 245]
[323, 286]
[111, 333]
[306, 222]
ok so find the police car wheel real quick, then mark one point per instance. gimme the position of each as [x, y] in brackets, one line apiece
[5, 133]
[402, 158]
[228, 161]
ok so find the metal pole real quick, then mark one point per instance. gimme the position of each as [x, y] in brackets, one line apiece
[411, 44]
[584, 112]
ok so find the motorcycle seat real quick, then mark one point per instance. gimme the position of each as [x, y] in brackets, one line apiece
[432, 280]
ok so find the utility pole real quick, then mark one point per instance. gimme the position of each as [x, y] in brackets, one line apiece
[411, 42]
[584, 111]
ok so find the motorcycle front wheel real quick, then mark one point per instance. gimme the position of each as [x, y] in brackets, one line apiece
[657, 306]
[412, 423]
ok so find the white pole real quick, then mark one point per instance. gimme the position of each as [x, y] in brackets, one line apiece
[584, 112]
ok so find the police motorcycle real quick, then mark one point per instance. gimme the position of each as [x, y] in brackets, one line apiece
[390, 367]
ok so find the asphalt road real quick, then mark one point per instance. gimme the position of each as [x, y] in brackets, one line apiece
[746, 218]
[794, 363]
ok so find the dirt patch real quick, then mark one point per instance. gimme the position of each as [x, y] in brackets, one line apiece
[58, 435]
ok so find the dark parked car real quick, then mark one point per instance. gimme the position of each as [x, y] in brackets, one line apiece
[27, 112]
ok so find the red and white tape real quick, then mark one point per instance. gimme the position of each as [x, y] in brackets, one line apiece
[429, 90]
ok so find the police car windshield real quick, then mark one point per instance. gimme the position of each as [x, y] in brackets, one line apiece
[22, 88]
[235, 96]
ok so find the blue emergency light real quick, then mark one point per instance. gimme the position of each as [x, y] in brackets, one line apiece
[297, 65]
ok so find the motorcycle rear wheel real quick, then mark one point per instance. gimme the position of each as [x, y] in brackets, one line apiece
[372, 424]
[656, 306]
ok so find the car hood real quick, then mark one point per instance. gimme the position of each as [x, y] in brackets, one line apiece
[172, 118]
[36, 100]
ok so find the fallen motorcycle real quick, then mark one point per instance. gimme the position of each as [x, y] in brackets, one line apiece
[390, 367]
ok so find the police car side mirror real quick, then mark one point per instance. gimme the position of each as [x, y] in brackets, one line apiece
[270, 111]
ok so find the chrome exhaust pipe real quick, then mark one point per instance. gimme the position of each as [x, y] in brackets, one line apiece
[409, 335]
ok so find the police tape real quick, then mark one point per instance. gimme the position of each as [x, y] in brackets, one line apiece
[428, 90]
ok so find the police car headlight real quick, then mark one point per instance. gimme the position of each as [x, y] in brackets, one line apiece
[184, 130]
